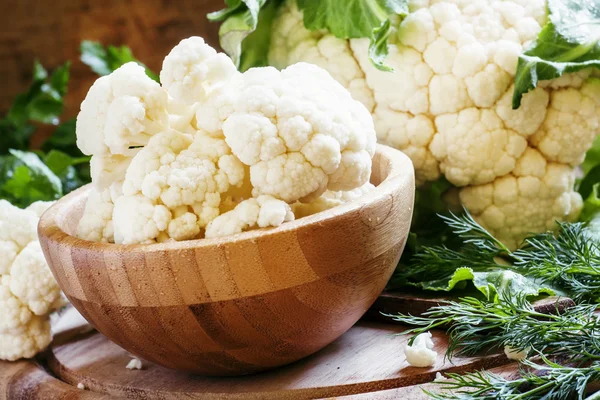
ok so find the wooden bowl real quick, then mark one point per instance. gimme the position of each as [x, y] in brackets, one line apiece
[244, 303]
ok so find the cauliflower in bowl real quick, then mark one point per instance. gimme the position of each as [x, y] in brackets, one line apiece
[213, 151]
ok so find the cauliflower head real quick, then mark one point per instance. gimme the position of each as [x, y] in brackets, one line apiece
[447, 104]
[214, 151]
[28, 291]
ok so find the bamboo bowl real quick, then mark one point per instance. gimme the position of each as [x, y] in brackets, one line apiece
[244, 303]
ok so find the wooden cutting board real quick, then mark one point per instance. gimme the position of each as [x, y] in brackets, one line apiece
[365, 363]
[368, 358]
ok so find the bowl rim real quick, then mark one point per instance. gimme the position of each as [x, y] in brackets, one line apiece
[400, 169]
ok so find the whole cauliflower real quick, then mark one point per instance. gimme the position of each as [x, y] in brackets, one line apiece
[447, 104]
[214, 152]
[28, 291]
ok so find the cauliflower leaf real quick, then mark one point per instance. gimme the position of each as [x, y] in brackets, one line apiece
[569, 42]
[103, 61]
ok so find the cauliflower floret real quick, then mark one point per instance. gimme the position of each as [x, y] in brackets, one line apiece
[298, 130]
[474, 147]
[421, 353]
[192, 68]
[137, 219]
[514, 354]
[531, 199]
[96, 222]
[28, 291]
[32, 281]
[121, 111]
[330, 199]
[263, 211]
[39, 207]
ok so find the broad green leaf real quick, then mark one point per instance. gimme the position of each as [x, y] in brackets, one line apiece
[24, 179]
[63, 167]
[240, 19]
[569, 42]
[591, 206]
[13, 136]
[255, 47]
[103, 61]
[347, 19]
[488, 283]
[64, 139]
[592, 157]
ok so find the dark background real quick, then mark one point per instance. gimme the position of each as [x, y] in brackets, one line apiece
[51, 31]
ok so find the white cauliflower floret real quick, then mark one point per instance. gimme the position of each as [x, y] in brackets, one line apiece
[192, 68]
[330, 199]
[32, 282]
[421, 353]
[28, 291]
[137, 219]
[39, 207]
[448, 102]
[474, 147]
[299, 131]
[514, 354]
[96, 222]
[263, 211]
[530, 199]
[121, 112]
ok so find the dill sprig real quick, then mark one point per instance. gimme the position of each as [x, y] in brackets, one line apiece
[475, 325]
[568, 260]
[545, 380]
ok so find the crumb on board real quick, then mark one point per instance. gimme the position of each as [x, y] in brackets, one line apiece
[81, 386]
[135, 363]
[439, 377]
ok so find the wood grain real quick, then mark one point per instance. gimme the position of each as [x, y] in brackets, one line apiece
[51, 31]
[184, 305]
[365, 359]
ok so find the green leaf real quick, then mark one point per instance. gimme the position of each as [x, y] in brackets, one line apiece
[591, 206]
[255, 47]
[488, 283]
[43, 101]
[63, 139]
[103, 61]
[13, 136]
[24, 179]
[347, 19]
[569, 42]
[63, 166]
[240, 19]
[592, 157]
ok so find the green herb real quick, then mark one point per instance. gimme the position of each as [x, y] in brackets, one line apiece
[24, 179]
[475, 325]
[569, 42]
[104, 60]
[546, 380]
[567, 262]
[344, 19]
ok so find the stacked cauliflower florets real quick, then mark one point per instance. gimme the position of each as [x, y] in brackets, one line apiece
[214, 152]
[28, 291]
[447, 105]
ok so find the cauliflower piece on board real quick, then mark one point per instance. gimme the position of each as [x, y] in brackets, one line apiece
[263, 211]
[120, 113]
[421, 353]
[28, 291]
[298, 130]
[448, 102]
